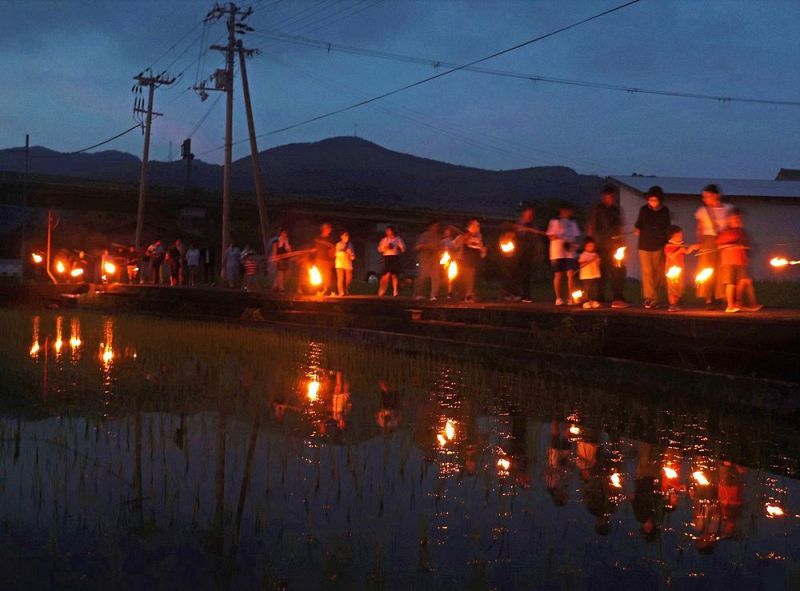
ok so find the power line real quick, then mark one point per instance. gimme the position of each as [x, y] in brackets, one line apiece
[97, 145]
[174, 45]
[442, 74]
[329, 46]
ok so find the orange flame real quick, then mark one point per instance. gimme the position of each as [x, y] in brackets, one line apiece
[674, 273]
[76, 272]
[704, 275]
[109, 268]
[452, 270]
[445, 260]
[774, 510]
[37, 258]
[60, 268]
[700, 478]
[616, 480]
[507, 246]
[619, 254]
[314, 276]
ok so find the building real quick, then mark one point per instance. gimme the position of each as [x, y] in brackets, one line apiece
[788, 174]
[772, 215]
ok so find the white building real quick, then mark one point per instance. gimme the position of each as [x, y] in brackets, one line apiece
[771, 210]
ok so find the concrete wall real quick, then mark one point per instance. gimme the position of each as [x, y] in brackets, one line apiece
[769, 222]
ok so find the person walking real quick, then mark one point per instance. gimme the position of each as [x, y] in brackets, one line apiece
[712, 219]
[174, 262]
[471, 252]
[324, 258]
[429, 253]
[606, 226]
[345, 255]
[652, 228]
[391, 247]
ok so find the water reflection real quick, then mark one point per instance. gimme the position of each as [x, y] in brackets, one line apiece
[367, 472]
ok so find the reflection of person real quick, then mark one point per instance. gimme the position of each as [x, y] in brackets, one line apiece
[389, 414]
[518, 450]
[647, 502]
[712, 219]
[652, 227]
[707, 514]
[340, 401]
[563, 233]
[595, 469]
[391, 247]
[731, 497]
[556, 474]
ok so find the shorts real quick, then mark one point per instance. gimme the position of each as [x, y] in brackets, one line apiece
[564, 265]
[733, 274]
[391, 265]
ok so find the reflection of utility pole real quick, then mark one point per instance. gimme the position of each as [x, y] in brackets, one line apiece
[151, 82]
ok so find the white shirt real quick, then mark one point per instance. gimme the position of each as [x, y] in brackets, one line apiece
[589, 265]
[565, 231]
[389, 247]
[720, 214]
[193, 257]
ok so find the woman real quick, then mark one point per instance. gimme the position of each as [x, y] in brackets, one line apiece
[345, 255]
[391, 247]
[280, 257]
[712, 219]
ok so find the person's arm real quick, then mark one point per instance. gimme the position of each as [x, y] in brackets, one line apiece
[553, 230]
[638, 225]
[591, 223]
[401, 245]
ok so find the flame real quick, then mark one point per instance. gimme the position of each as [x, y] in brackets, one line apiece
[507, 246]
[704, 275]
[674, 272]
[577, 294]
[616, 480]
[780, 262]
[313, 390]
[35, 349]
[37, 258]
[107, 354]
[452, 270]
[574, 430]
[34, 352]
[670, 472]
[75, 334]
[619, 254]
[60, 268]
[504, 464]
[109, 268]
[314, 276]
[59, 342]
[774, 510]
[700, 478]
[441, 439]
[445, 260]
[449, 430]
[76, 272]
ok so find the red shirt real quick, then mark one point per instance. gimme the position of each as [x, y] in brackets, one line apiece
[675, 256]
[250, 266]
[733, 240]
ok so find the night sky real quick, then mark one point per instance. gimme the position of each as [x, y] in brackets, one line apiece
[68, 69]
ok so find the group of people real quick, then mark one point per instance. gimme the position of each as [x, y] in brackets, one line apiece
[588, 265]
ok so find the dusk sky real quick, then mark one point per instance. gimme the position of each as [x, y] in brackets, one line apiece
[68, 69]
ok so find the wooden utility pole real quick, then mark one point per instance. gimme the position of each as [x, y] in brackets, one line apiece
[251, 128]
[151, 82]
[23, 258]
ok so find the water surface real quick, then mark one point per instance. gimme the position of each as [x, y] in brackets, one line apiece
[145, 453]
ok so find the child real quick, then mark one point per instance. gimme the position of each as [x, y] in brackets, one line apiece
[733, 243]
[589, 273]
[563, 233]
[345, 255]
[675, 252]
[250, 265]
[472, 250]
[281, 248]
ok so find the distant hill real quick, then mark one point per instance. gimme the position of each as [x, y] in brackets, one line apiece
[345, 169]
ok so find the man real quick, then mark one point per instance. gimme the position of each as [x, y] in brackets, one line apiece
[529, 250]
[324, 257]
[429, 252]
[652, 227]
[605, 225]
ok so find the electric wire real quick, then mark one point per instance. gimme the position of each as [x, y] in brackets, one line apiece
[440, 74]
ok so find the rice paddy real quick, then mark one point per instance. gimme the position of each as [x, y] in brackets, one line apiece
[144, 453]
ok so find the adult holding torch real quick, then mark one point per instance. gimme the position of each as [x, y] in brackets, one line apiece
[527, 246]
[605, 225]
[429, 253]
[652, 227]
[712, 220]
[391, 247]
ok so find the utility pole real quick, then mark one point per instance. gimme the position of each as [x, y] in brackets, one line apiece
[236, 18]
[151, 82]
[22, 250]
[251, 128]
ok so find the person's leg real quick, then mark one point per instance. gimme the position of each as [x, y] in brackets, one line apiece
[420, 279]
[749, 290]
[395, 284]
[646, 275]
[658, 263]
[339, 281]
[435, 273]
[383, 284]
[708, 259]
[605, 273]
[348, 279]
[468, 277]
[570, 282]
[730, 293]
[557, 284]
[525, 277]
